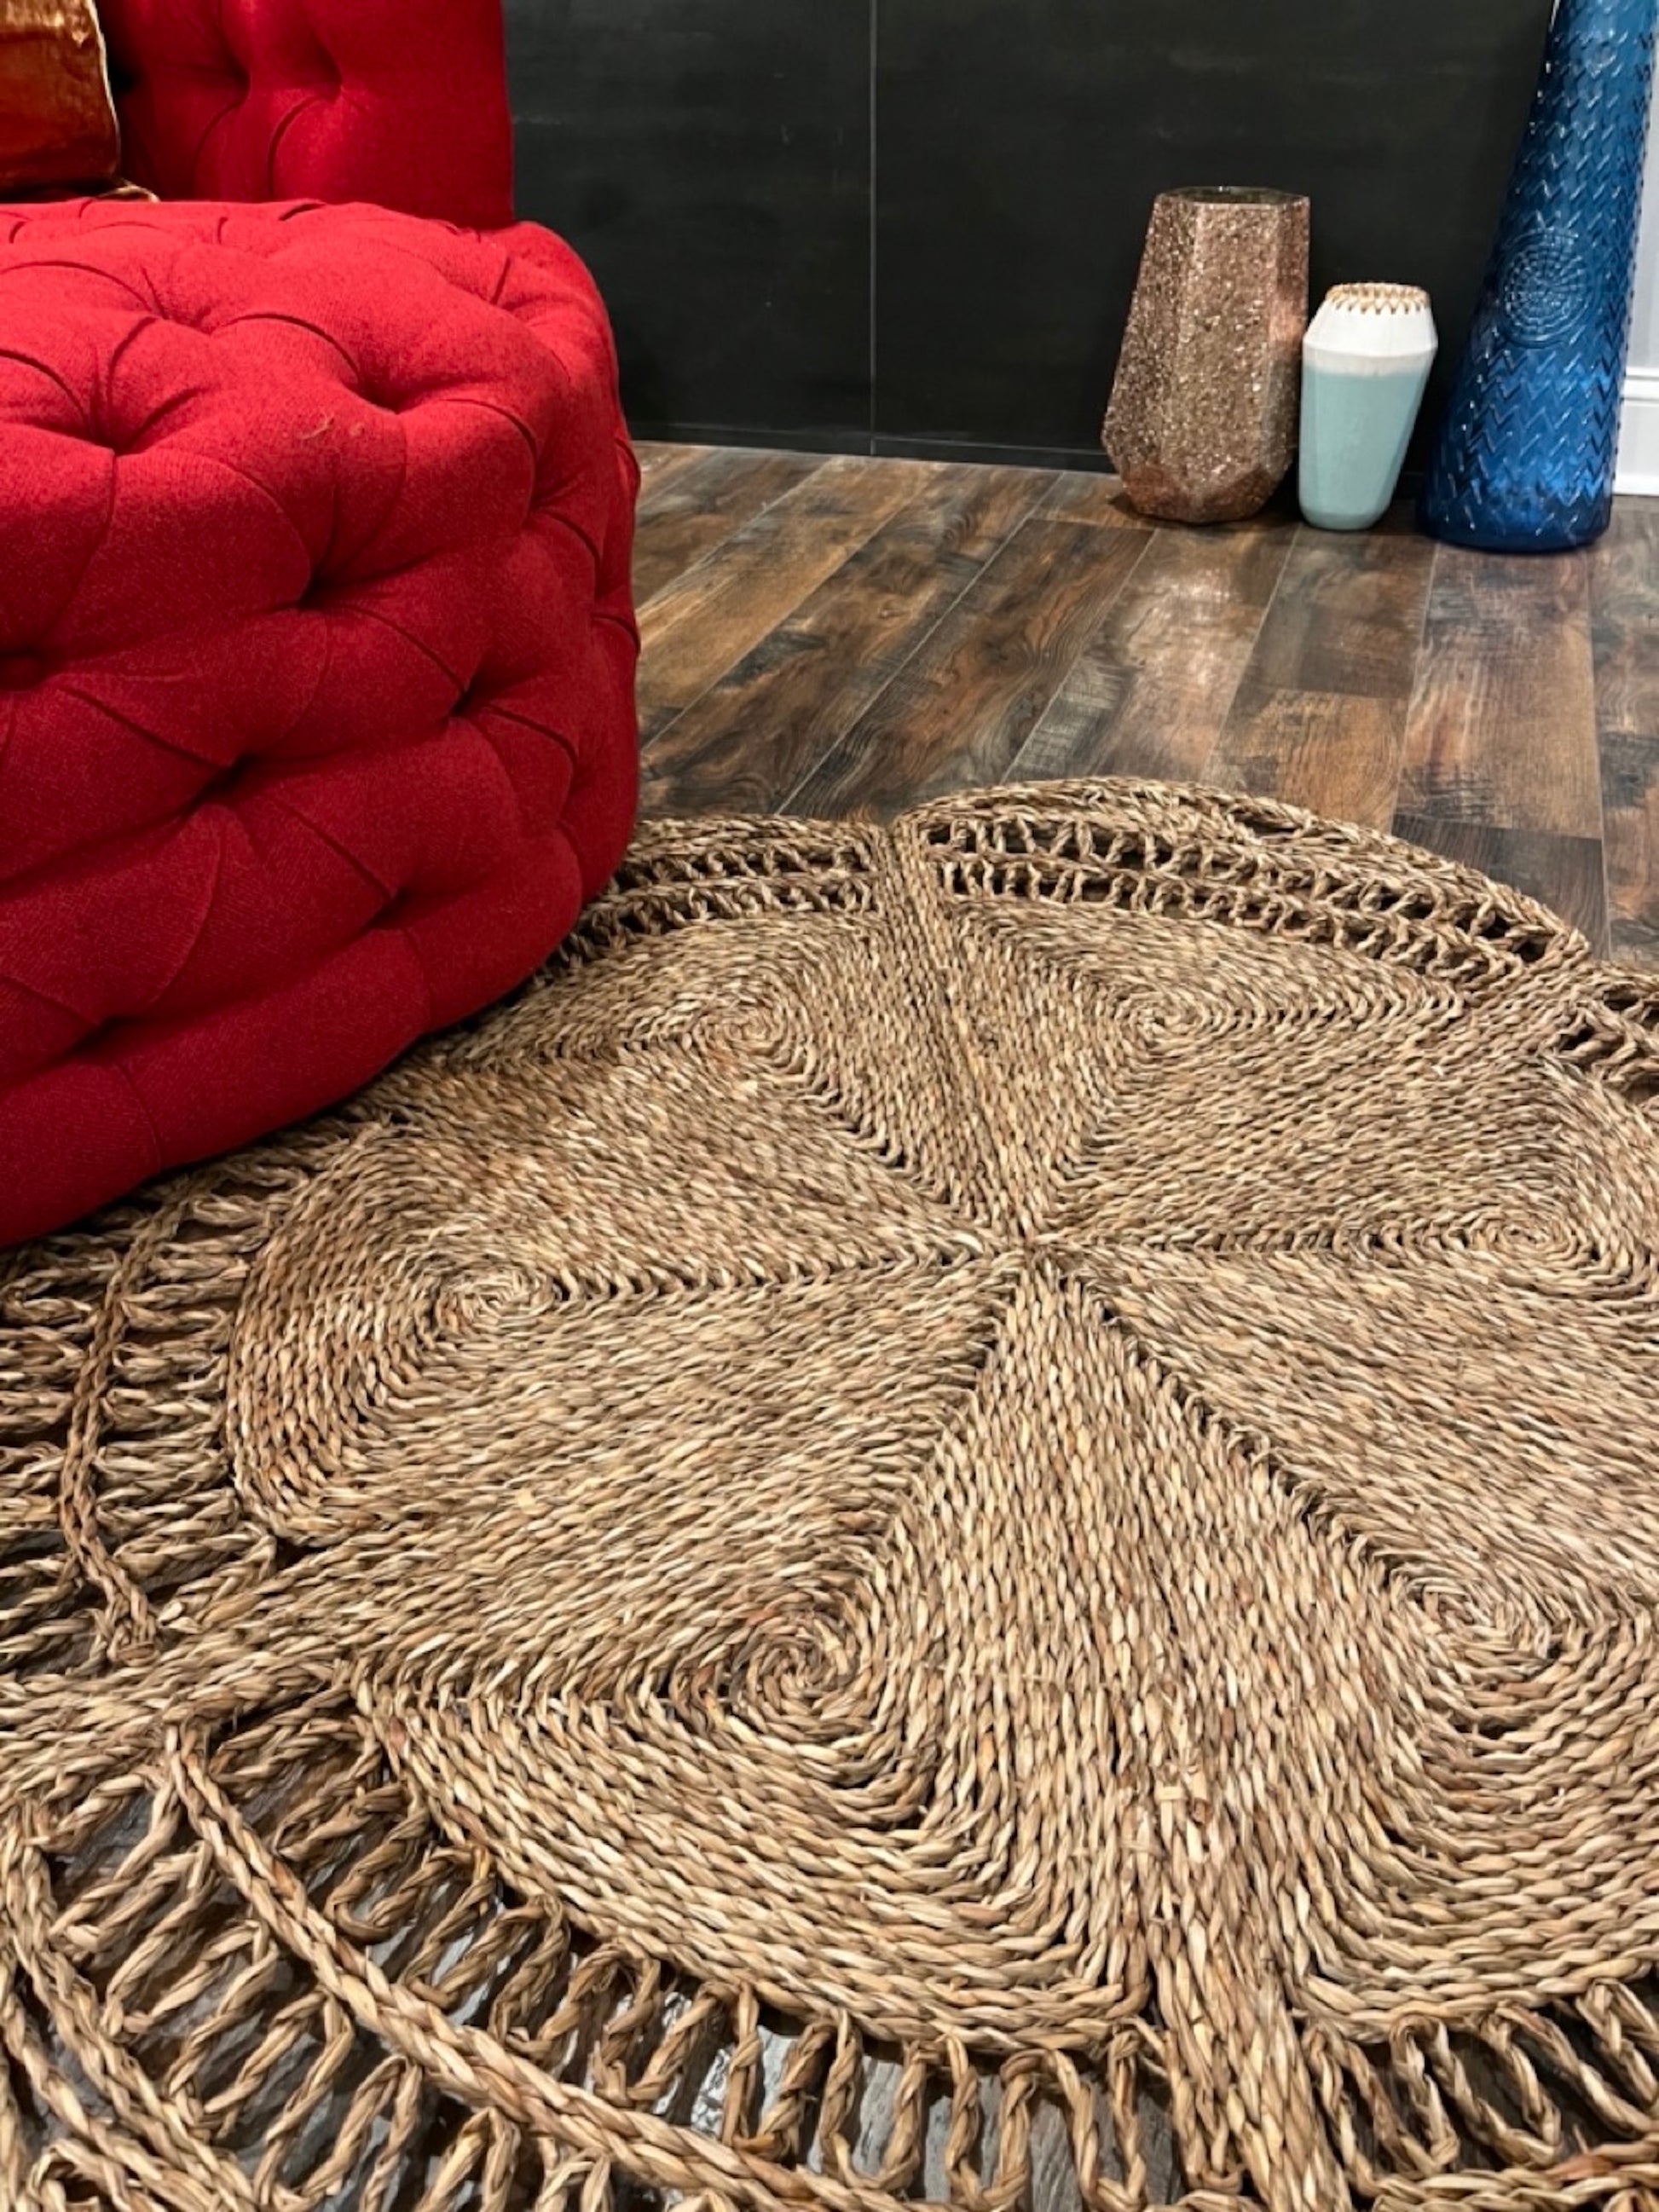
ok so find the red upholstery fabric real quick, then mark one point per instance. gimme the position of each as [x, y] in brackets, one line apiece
[403, 102]
[316, 660]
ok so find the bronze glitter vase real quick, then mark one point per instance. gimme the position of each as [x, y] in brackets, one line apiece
[1202, 426]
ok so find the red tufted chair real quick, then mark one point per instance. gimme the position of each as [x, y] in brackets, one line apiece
[316, 648]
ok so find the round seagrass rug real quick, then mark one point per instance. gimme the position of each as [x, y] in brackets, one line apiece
[970, 1513]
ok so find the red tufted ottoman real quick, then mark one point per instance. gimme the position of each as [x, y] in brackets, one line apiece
[316, 660]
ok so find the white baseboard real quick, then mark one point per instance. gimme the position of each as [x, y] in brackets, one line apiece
[1638, 434]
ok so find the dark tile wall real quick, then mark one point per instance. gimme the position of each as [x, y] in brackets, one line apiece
[914, 223]
[711, 161]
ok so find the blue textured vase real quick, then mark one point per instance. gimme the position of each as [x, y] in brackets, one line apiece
[1524, 459]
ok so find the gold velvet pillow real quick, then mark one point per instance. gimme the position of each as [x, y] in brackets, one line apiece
[58, 127]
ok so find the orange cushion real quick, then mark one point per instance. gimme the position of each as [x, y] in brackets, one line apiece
[56, 118]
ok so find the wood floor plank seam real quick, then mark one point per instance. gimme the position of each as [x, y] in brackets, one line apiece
[661, 741]
[653, 737]
[1625, 642]
[1502, 730]
[788, 804]
[834, 523]
[862, 769]
[1140, 699]
[1319, 717]
[1256, 642]
[713, 552]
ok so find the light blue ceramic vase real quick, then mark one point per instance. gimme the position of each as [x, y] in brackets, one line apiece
[1365, 361]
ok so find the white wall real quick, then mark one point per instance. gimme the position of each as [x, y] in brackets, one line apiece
[1638, 445]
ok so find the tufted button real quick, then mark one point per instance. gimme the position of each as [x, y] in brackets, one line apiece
[113, 439]
[225, 785]
[21, 671]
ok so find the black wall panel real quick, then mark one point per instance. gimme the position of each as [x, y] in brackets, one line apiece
[710, 160]
[916, 222]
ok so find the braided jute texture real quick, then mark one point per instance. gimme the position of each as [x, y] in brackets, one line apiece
[970, 1514]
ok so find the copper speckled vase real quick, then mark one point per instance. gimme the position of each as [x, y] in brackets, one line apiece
[1202, 421]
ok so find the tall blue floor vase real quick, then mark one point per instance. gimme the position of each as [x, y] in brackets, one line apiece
[1524, 459]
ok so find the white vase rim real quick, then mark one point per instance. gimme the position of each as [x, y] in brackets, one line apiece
[1379, 298]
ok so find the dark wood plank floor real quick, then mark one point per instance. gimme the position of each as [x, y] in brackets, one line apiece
[827, 636]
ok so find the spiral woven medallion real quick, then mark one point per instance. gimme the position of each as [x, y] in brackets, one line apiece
[970, 1514]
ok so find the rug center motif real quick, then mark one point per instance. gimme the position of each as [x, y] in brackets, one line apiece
[905, 1443]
